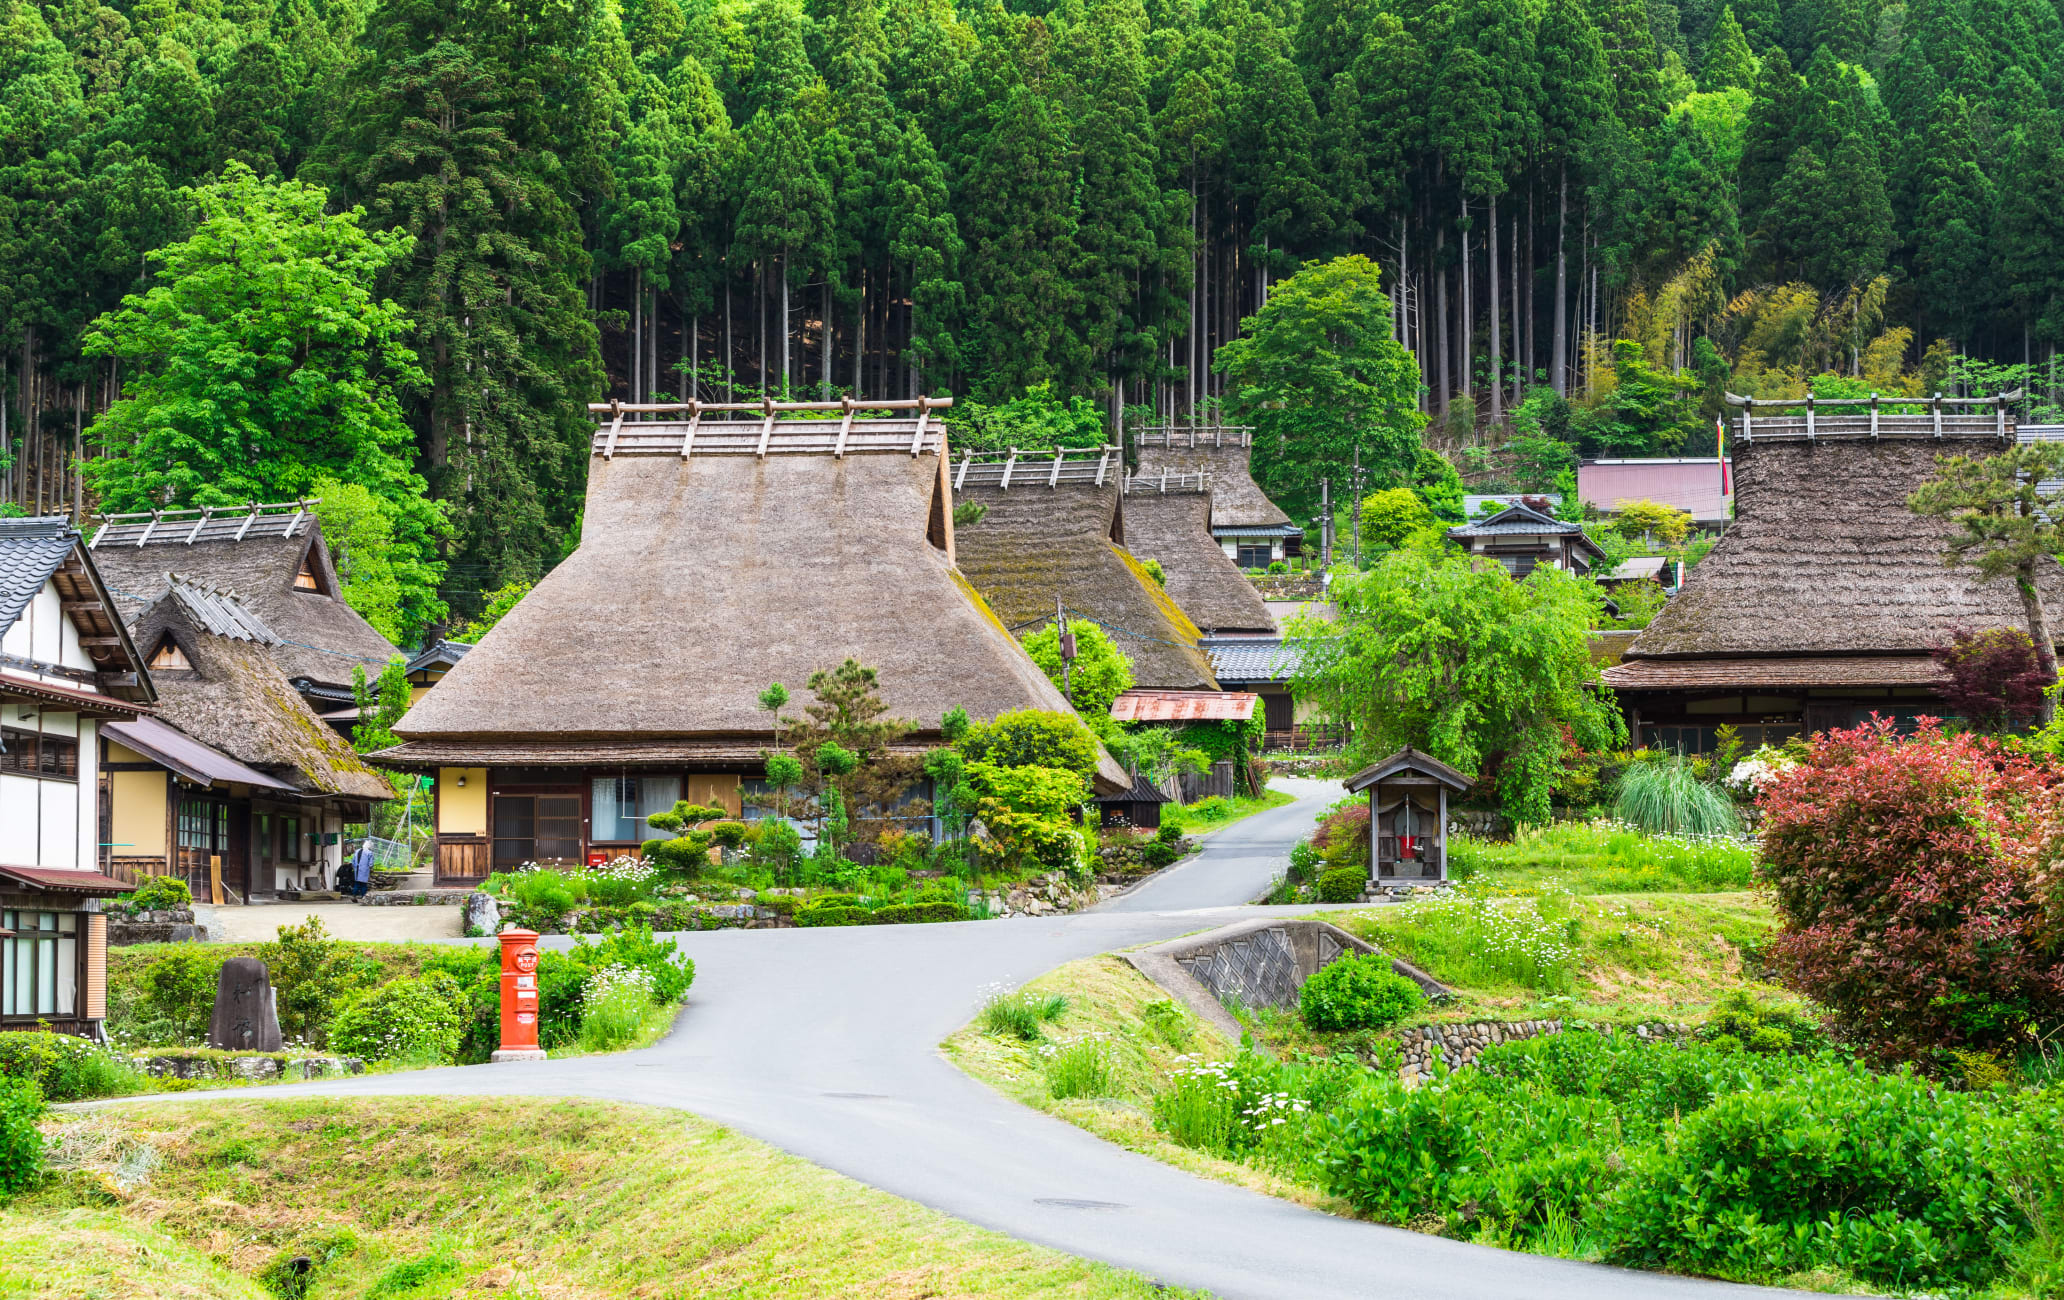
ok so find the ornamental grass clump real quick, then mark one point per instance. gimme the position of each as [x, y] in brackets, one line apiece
[1664, 796]
[1022, 1015]
[1357, 991]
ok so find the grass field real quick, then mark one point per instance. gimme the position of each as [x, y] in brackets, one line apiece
[1603, 857]
[410, 1198]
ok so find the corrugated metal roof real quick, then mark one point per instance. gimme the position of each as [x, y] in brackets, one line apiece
[1256, 659]
[220, 612]
[30, 551]
[63, 880]
[170, 747]
[1184, 706]
[1256, 530]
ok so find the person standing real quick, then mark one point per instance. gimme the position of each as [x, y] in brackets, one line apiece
[358, 873]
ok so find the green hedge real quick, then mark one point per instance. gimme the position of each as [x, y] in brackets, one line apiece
[1343, 884]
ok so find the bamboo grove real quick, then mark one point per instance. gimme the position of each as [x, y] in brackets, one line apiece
[885, 196]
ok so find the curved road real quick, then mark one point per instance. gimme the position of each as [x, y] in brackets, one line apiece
[824, 1042]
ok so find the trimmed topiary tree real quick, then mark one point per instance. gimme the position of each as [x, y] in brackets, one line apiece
[1357, 991]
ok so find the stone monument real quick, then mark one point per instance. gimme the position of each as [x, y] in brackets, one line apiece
[245, 1018]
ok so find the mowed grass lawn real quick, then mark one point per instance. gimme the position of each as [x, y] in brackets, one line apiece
[409, 1198]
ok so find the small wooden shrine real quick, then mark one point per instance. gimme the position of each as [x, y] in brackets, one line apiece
[1408, 816]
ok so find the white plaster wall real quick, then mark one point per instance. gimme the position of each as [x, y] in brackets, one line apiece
[20, 819]
[88, 809]
[58, 832]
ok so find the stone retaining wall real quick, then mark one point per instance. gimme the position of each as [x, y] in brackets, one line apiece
[1460, 1045]
[413, 898]
[247, 1067]
[165, 925]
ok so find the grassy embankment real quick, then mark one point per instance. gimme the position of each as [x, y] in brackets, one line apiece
[409, 1198]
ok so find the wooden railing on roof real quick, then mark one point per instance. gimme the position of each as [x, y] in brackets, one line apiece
[1876, 416]
[1015, 468]
[205, 523]
[1163, 484]
[1186, 435]
[768, 428]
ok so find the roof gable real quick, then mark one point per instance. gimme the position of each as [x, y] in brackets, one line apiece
[1222, 454]
[46, 550]
[1409, 762]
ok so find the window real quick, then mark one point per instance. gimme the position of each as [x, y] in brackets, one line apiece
[204, 826]
[536, 828]
[168, 655]
[1254, 554]
[39, 964]
[28, 753]
[290, 846]
[1519, 566]
[621, 804]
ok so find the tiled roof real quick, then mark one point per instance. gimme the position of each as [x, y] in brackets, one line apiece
[30, 551]
[1515, 519]
[1256, 530]
[440, 654]
[63, 879]
[1252, 659]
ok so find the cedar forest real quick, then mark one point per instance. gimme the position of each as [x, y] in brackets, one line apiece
[1628, 204]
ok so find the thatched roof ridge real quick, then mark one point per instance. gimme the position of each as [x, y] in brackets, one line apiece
[235, 699]
[1175, 529]
[1824, 558]
[697, 582]
[320, 637]
[1038, 544]
[1236, 499]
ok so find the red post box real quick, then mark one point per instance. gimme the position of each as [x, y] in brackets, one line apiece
[519, 997]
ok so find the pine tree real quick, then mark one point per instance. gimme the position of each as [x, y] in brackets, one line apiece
[1689, 208]
[1728, 61]
[2030, 229]
[1630, 55]
[1770, 138]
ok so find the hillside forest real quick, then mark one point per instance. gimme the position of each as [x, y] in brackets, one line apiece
[1587, 219]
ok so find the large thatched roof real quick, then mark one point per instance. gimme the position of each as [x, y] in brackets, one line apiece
[701, 579]
[1825, 559]
[235, 699]
[257, 554]
[1043, 540]
[1236, 499]
[1174, 527]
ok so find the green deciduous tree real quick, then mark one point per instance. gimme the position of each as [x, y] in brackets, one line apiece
[1099, 673]
[1450, 655]
[1323, 381]
[261, 363]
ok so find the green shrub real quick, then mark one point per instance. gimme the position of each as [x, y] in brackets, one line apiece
[1885, 1177]
[21, 1142]
[781, 904]
[157, 894]
[413, 1274]
[178, 995]
[310, 971]
[420, 1020]
[1158, 853]
[1212, 809]
[1170, 1023]
[65, 1067]
[833, 910]
[670, 974]
[1663, 796]
[687, 854]
[1170, 830]
[1021, 1014]
[1357, 991]
[728, 834]
[1343, 884]
[916, 913]
[1079, 1069]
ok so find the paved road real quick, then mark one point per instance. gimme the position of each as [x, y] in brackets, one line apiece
[823, 1042]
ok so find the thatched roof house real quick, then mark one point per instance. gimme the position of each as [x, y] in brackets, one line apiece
[1168, 519]
[236, 785]
[1820, 603]
[1249, 527]
[1053, 532]
[275, 559]
[717, 556]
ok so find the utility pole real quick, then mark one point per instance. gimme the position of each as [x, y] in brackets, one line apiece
[1354, 510]
[1325, 524]
[1067, 643]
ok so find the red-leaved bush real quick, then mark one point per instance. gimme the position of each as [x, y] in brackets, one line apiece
[1992, 678]
[1911, 875]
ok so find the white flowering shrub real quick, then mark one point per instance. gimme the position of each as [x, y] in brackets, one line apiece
[614, 1002]
[419, 1020]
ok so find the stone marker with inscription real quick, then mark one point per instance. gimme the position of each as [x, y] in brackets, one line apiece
[245, 1019]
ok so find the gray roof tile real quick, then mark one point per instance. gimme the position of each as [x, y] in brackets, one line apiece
[30, 551]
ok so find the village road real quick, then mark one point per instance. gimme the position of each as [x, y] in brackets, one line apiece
[824, 1042]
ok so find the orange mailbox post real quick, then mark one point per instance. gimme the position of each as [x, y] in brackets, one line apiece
[519, 998]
